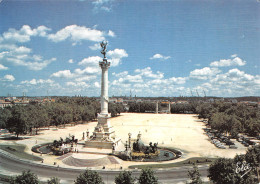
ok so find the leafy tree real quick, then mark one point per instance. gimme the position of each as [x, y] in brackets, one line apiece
[147, 177]
[89, 113]
[115, 109]
[204, 110]
[62, 114]
[27, 177]
[253, 126]
[38, 117]
[244, 168]
[218, 121]
[76, 111]
[222, 171]
[5, 114]
[253, 157]
[53, 180]
[89, 177]
[125, 177]
[18, 122]
[194, 175]
[226, 171]
[141, 107]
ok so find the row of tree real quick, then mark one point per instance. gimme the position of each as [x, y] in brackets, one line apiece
[142, 107]
[24, 119]
[184, 108]
[147, 176]
[90, 177]
[151, 107]
[231, 118]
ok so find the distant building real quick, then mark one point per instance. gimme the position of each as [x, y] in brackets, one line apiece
[234, 100]
[4, 104]
[182, 102]
[120, 100]
[113, 100]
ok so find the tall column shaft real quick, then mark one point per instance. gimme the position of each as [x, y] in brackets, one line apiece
[104, 86]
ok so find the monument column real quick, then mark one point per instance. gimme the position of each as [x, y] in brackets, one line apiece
[104, 86]
[103, 135]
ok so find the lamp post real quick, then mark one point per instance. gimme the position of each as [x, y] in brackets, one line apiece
[129, 140]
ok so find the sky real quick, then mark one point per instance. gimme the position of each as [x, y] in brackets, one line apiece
[156, 48]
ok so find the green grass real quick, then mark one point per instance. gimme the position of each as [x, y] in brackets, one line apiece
[188, 162]
[18, 150]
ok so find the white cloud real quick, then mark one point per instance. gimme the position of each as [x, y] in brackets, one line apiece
[146, 82]
[234, 61]
[30, 64]
[116, 56]
[100, 2]
[92, 60]
[39, 81]
[111, 33]
[77, 84]
[159, 56]
[63, 74]
[22, 56]
[2, 67]
[9, 78]
[24, 34]
[96, 46]
[147, 72]
[121, 74]
[233, 83]
[104, 5]
[97, 85]
[70, 61]
[204, 73]
[3, 54]
[177, 80]
[87, 70]
[234, 55]
[7, 46]
[128, 79]
[167, 82]
[22, 50]
[86, 78]
[78, 33]
[86, 74]
[105, 8]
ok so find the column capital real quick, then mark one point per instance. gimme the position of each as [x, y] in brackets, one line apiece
[104, 64]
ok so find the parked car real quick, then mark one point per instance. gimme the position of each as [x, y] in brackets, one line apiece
[232, 147]
[239, 139]
[251, 142]
[245, 143]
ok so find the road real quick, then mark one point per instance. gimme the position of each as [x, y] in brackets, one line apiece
[12, 165]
